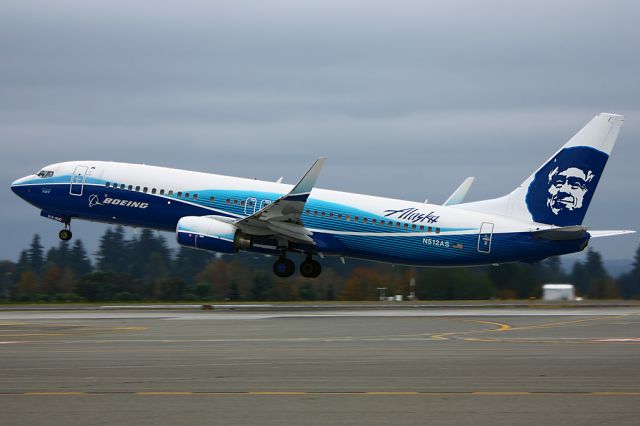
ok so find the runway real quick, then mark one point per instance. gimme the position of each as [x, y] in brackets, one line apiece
[366, 366]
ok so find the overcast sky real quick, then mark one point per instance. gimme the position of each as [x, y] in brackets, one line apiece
[405, 98]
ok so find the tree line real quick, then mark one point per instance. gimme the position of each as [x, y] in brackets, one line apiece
[144, 268]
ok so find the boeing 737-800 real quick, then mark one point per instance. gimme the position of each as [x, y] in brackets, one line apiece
[540, 218]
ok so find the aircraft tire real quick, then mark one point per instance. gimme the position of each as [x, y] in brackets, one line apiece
[284, 267]
[310, 268]
[65, 235]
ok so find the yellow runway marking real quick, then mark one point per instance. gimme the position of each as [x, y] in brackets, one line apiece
[337, 393]
[54, 393]
[501, 326]
[162, 393]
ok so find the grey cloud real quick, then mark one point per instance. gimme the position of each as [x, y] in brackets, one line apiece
[406, 99]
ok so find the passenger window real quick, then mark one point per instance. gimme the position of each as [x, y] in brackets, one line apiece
[356, 219]
[195, 196]
[364, 220]
[179, 193]
[212, 198]
[122, 186]
[186, 195]
[437, 230]
[331, 215]
[322, 213]
[348, 217]
[153, 191]
[130, 188]
[413, 227]
[406, 226]
[315, 212]
[228, 201]
[381, 221]
[171, 192]
[162, 192]
[339, 215]
[235, 202]
[137, 188]
[145, 189]
[242, 203]
[422, 227]
[374, 221]
[397, 224]
[429, 229]
[108, 184]
[308, 211]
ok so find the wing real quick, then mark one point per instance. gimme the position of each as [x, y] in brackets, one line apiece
[459, 194]
[281, 218]
[597, 234]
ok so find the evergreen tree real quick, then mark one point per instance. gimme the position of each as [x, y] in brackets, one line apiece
[22, 265]
[514, 280]
[630, 282]
[77, 259]
[579, 278]
[7, 269]
[113, 253]
[36, 255]
[189, 263]
[149, 256]
[306, 291]
[233, 293]
[262, 286]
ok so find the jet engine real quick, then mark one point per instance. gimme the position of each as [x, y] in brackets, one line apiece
[207, 233]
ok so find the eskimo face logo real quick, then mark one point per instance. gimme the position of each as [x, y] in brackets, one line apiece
[567, 188]
[561, 190]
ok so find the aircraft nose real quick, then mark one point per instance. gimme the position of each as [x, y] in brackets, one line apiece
[17, 183]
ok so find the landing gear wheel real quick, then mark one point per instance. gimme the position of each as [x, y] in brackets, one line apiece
[310, 268]
[284, 267]
[65, 235]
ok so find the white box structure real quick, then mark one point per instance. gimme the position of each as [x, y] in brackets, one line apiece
[558, 292]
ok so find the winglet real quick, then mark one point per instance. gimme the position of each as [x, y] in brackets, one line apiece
[303, 188]
[459, 194]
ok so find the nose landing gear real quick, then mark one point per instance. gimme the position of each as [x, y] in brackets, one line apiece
[65, 234]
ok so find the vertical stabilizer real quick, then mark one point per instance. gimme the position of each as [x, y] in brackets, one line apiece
[560, 191]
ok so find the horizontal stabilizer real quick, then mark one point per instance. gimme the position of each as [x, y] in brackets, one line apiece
[459, 194]
[562, 234]
[611, 233]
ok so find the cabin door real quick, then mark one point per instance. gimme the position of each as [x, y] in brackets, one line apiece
[77, 180]
[484, 237]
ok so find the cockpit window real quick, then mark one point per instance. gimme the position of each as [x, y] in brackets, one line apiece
[45, 174]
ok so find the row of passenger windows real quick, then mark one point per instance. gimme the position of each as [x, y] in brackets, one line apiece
[235, 202]
[145, 189]
[380, 222]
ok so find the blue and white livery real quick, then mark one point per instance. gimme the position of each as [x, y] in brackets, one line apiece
[542, 217]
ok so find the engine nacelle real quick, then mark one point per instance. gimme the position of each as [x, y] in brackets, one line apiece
[210, 234]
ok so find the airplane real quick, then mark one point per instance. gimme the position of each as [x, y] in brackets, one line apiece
[541, 217]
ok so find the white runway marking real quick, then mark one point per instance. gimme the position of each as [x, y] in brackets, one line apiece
[217, 315]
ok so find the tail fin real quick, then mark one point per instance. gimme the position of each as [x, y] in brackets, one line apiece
[560, 191]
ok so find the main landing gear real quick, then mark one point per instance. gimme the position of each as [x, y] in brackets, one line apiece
[284, 267]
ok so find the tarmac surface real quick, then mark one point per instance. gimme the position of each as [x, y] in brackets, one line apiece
[445, 366]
